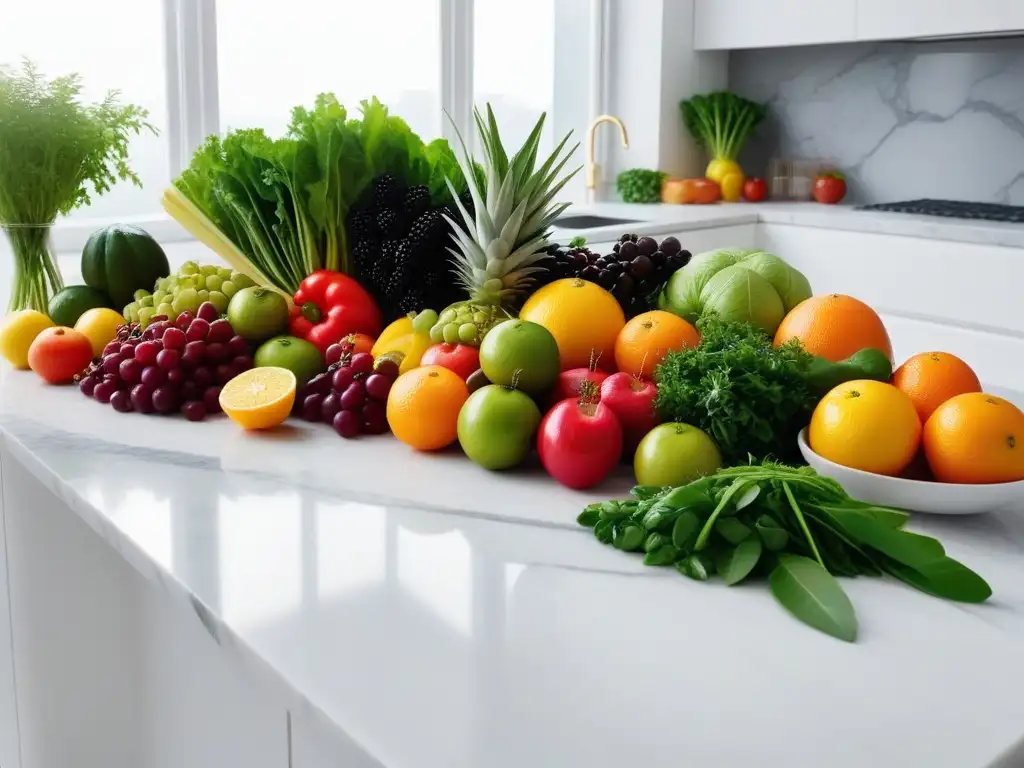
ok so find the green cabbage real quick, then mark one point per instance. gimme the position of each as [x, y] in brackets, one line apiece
[748, 286]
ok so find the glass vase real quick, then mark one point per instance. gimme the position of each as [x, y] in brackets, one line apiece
[36, 276]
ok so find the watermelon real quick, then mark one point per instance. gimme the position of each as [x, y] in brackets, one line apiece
[120, 259]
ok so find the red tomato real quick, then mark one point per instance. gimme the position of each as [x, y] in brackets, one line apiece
[755, 189]
[57, 354]
[579, 444]
[461, 358]
[829, 187]
[568, 383]
[632, 401]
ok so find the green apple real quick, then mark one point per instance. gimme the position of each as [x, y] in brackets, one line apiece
[675, 454]
[496, 426]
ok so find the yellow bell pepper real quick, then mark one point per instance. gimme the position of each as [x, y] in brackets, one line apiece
[732, 187]
[719, 168]
[400, 338]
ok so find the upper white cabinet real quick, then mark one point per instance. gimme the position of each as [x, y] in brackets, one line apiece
[729, 24]
[726, 24]
[888, 19]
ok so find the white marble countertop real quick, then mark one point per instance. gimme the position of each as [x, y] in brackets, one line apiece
[444, 617]
[662, 219]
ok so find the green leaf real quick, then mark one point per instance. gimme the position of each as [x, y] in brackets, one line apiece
[604, 531]
[646, 491]
[589, 516]
[774, 537]
[734, 488]
[748, 497]
[699, 566]
[655, 541]
[684, 532]
[944, 577]
[904, 547]
[800, 519]
[732, 530]
[812, 595]
[629, 537]
[734, 565]
[690, 494]
[614, 511]
[663, 555]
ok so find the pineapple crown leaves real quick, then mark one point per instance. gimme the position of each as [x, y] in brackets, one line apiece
[513, 213]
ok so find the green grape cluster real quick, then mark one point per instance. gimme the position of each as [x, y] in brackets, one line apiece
[185, 291]
[466, 323]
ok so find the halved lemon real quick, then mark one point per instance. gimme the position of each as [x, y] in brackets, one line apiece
[259, 398]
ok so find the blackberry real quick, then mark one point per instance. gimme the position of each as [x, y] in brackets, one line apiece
[387, 192]
[389, 223]
[417, 200]
[429, 228]
[414, 300]
[362, 226]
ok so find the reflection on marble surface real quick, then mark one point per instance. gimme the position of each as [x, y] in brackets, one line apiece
[461, 636]
[904, 120]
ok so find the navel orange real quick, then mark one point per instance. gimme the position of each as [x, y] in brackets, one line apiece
[423, 407]
[931, 378]
[866, 425]
[645, 340]
[975, 438]
[834, 326]
[582, 316]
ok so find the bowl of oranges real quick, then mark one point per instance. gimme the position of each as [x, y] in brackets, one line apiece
[928, 441]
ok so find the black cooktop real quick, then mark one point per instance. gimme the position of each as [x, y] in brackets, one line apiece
[954, 209]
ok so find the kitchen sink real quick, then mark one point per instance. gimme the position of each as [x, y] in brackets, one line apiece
[586, 221]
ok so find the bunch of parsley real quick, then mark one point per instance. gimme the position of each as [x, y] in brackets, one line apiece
[749, 396]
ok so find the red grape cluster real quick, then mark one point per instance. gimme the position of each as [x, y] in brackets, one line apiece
[169, 367]
[352, 396]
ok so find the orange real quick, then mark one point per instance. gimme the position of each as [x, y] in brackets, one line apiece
[583, 317]
[259, 398]
[360, 342]
[975, 438]
[424, 405]
[866, 425]
[834, 327]
[645, 340]
[931, 378]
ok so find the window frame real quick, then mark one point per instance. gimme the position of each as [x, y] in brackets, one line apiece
[193, 105]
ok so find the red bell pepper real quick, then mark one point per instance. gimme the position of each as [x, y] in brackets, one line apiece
[331, 306]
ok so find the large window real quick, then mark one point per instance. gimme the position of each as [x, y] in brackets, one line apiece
[202, 66]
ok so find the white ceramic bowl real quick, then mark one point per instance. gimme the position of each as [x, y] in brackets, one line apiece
[916, 495]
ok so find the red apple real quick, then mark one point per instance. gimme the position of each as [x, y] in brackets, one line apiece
[631, 399]
[461, 358]
[579, 443]
[568, 383]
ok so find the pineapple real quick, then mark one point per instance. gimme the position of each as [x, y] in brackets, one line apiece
[497, 249]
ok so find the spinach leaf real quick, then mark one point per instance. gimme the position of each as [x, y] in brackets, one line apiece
[774, 537]
[684, 532]
[589, 516]
[647, 491]
[629, 537]
[812, 595]
[699, 566]
[655, 541]
[663, 555]
[604, 531]
[734, 565]
[944, 577]
[610, 510]
[732, 530]
[904, 547]
[689, 494]
[748, 497]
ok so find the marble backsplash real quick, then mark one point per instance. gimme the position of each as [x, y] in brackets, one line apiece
[903, 120]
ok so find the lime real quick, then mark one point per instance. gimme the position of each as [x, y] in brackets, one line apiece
[297, 355]
[522, 355]
[69, 304]
[256, 313]
[675, 454]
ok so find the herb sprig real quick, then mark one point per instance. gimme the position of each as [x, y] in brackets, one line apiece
[751, 397]
[793, 526]
[640, 185]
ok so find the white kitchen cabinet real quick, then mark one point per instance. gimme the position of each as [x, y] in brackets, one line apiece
[728, 24]
[894, 19]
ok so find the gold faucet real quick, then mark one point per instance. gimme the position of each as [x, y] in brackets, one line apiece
[593, 170]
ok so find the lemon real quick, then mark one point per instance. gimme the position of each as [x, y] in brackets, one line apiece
[18, 331]
[259, 398]
[732, 186]
[99, 326]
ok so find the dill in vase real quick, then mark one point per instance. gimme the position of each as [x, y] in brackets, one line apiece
[55, 152]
